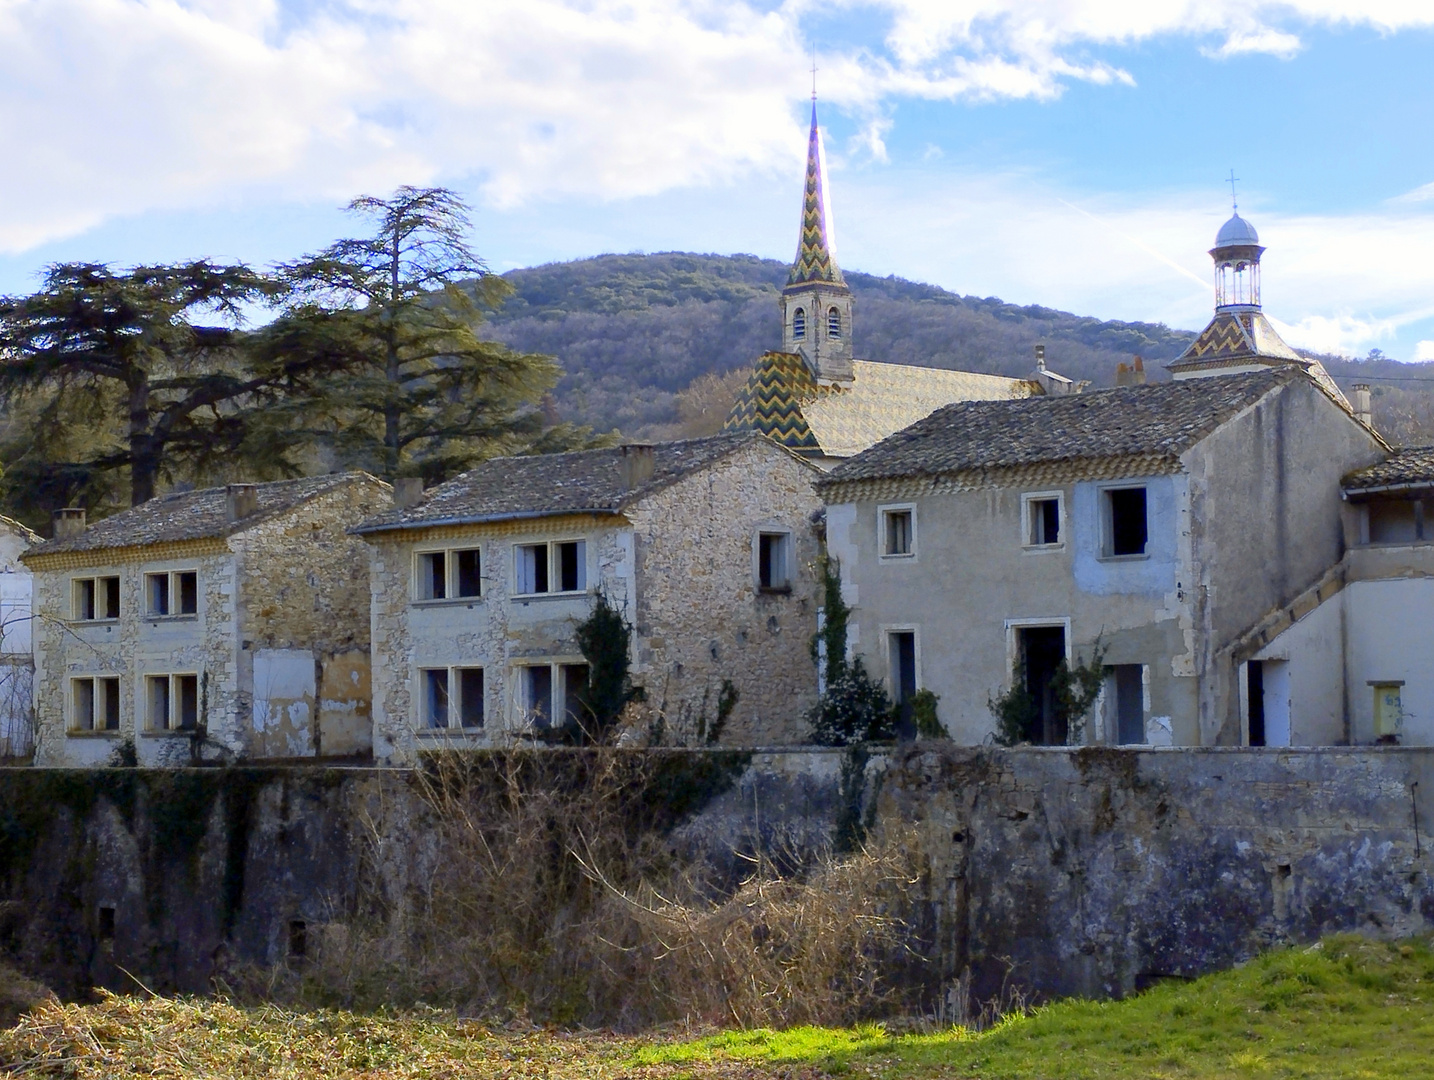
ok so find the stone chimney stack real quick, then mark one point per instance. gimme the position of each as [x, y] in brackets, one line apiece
[637, 462]
[68, 523]
[1363, 406]
[407, 491]
[240, 501]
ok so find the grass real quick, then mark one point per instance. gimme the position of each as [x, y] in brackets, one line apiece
[1344, 1008]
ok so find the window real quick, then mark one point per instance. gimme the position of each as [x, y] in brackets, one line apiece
[551, 568]
[172, 702]
[1400, 521]
[452, 694]
[901, 659]
[550, 690]
[799, 324]
[172, 593]
[898, 531]
[834, 323]
[94, 599]
[1126, 531]
[773, 557]
[95, 703]
[1043, 520]
[1126, 684]
[452, 574]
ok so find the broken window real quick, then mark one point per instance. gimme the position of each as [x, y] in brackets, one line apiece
[551, 568]
[435, 697]
[898, 531]
[772, 561]
[456, 573]
[1126, 685]
[1125, 520]
[799, 323]
[575, 691]
[171, 702]
[94, 599]
[95, 703]
[174, 592]
[538, 694]
[470, 697]
[1043, 520]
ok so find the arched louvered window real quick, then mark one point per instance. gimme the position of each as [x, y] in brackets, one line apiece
[834, 323]
[799, 323]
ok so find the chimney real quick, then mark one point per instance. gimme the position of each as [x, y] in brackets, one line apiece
[636, 463]
[240, 500]
[68, 523]
[1138, 370]
[407, 491]
[1123, 375]
[1363, 407]
[1040, 358]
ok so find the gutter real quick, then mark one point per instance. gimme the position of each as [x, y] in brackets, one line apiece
[484, 519]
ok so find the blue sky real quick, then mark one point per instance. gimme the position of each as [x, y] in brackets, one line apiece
[1063, 152]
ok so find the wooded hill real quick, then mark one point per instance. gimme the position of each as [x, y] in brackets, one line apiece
[633, 332]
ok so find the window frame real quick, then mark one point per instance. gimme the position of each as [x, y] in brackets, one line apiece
[454, 679]
[883, 535]
[94, 581]
[450, 553]
[799, 323]
[1028, 521]
[1107, 522]
[555, 570]
[557, 692]
[173, 719]
[888, 631]
[834, 323]
[73, 724]
[788, 560]
[173, 591]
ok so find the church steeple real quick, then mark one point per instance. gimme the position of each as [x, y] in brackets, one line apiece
[816, 303]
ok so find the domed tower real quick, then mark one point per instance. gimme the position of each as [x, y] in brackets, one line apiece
[816, 303]
[1239, 337]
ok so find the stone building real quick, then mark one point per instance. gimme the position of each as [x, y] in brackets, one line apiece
[813, 396]
[17, 662]
[207, 625]
[706, 547]
[1176, 524]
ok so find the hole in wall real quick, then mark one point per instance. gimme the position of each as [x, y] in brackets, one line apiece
[958, 838]
[298, 938]
[1283, 870]
[106, 923]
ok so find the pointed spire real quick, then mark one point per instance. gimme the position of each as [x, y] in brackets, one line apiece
[816, 249]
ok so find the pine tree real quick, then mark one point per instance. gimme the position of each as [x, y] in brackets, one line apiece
[413, 390]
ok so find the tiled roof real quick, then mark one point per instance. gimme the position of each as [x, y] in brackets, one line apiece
[1410, 467]
[783, 401]
[541, 485]
[1233, 338]
[20, 528]
[816, 259]
[193, 515]
[1160, 419]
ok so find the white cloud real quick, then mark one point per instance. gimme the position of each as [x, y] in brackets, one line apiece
[112, 107]
[1424, 350]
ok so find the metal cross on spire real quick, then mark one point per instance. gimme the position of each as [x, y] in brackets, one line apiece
[1234, 205]
[814, 78]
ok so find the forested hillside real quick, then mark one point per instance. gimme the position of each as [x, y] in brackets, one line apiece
[634, 331]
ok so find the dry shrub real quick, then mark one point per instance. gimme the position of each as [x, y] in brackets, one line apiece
[556, 895]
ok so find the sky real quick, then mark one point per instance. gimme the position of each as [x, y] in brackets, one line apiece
[1071, 153]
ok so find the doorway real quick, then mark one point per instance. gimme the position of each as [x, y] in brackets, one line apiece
[1043, 650]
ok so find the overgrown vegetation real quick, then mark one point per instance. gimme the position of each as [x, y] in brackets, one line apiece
[1346, 1008]
[1017, 710]
[853, 707]
[556, 893]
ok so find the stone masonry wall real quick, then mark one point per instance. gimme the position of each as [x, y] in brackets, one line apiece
[701, 618]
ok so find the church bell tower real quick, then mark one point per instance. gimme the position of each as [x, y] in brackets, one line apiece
[816, 302]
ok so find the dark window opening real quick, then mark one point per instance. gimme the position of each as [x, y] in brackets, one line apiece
[901, 645]
[111, 597]
[1255, 685]
[1043, 651]
[188, 694]
[799, 323]
[432, 576]
[1128, 531]
[540, 695]
[470, 572]
[575, 693]
[1045, 521]
[84, 694]
[85, 599]
[470, 696]
[106, 924]
[1129, 703]
[109, 694]
[298, 938]
[157, 586]
[435, 696]
[834, 324]
[570, 570]
[533, 568]
[187, 585]
[772, 561]
[898, 532]
[158, 702]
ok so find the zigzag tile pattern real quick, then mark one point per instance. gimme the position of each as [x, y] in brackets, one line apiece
[814, 262]
[772, 400]
[1226, 336]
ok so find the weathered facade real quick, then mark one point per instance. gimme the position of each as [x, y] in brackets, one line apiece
[220, 624]
[705, 547]
[1163, 521]
[17, 662]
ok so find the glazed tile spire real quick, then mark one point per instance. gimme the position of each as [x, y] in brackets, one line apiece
[816, 248]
